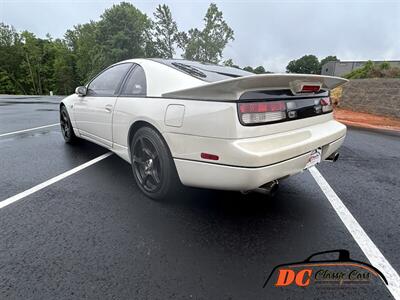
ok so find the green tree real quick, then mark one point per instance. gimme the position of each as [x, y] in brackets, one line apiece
[384, 66]
[32, 61]
[12, 79]
[6, 83]
[229, 63]
[208, 44]
[259, 70]
[248, 69]
[165, 32]
[325, 60]
[64, 77]
[87, 54]
[308, 64]
[123, 32]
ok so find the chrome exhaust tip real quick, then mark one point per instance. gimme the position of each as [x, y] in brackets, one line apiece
[269, 188]
[333, 157]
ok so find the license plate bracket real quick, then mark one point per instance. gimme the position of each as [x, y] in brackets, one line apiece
[314, 158]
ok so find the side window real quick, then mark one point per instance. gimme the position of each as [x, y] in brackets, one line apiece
[106, 84]
[135, 84]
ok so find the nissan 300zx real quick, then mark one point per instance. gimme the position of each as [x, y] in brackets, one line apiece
[204, 125]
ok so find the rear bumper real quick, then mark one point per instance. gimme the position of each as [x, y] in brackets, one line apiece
[256, 151]
[223, 177]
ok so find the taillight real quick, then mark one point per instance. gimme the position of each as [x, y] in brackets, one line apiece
[262, 112]
[326, 104]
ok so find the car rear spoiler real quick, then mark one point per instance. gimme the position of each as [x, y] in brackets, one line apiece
[232, 89]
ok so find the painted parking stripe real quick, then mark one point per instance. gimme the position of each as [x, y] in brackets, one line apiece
[370, 250]
[42, 185]
[29, 129]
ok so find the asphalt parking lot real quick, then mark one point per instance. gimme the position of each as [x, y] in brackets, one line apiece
[94, 235]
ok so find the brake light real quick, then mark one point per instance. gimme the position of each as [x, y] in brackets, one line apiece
[262, 112]
[310, 88]
[298, 86]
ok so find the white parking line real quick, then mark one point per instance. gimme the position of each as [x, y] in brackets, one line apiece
[29, 129]
[370, 250]
[42, 185]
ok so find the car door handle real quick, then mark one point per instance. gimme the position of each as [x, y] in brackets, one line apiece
[108, 107]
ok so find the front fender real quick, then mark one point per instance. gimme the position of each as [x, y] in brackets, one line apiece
[68, 102]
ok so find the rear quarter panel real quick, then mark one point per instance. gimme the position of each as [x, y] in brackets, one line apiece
[210, 119]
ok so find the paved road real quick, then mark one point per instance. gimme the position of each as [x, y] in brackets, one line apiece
[94, 235]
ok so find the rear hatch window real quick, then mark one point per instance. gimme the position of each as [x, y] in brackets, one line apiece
[204, 71]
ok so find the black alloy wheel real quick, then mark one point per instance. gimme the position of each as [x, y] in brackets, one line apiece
[152, 164]
[66, 126]
[146, 164]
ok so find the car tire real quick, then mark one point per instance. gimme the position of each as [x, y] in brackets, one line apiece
[152, 165]
[66, 127]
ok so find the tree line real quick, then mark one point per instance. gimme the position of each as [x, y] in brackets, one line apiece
[33, 65]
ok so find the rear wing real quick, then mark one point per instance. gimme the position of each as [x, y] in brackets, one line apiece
[232, 89]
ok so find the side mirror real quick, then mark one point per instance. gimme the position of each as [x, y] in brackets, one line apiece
[81, 91]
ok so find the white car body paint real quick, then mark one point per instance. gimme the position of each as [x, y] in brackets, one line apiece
[182, 109]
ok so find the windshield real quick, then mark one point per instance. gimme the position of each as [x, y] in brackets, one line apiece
[204, 71]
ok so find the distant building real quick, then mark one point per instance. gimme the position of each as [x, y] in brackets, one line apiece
[341, 68]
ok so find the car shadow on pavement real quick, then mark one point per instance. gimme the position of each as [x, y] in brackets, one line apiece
[296, 197]
[224, 202]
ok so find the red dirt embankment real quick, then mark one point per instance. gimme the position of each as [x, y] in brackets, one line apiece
[365, 120]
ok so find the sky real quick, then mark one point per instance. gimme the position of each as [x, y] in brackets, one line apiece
[268, 33]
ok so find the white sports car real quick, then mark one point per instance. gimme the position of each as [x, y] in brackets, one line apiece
[204, 125]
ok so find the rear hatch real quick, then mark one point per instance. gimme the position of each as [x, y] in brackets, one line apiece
[270, 103]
